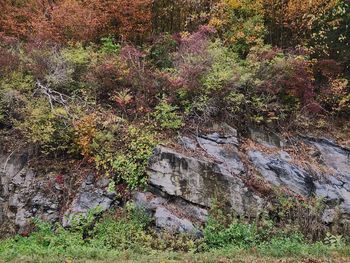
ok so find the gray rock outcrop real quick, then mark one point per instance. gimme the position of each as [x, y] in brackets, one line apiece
[331, 184]
[213, 168]
[90, 195]
[186, 179]
[26, 194]
[172, 214]
[279, 171]
[199, 181]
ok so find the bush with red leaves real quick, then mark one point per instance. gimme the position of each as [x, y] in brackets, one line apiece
[286, 76]
[192, 60]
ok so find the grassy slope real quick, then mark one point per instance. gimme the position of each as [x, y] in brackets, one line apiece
[26, 252]
[156, 256]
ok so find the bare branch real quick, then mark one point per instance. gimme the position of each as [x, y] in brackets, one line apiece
[53, 96]
[8, 159]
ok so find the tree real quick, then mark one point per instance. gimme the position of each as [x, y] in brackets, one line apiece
[289, 22]
[76, 20]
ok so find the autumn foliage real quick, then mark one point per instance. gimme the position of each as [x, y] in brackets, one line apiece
[290, 22]
[71, 20]
[67, 64]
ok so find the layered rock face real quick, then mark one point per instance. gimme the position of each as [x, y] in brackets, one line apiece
[199, 181]
[185, 179]
[25, 195]
[217, 166]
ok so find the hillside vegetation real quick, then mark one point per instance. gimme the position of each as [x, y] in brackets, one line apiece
[99, 83]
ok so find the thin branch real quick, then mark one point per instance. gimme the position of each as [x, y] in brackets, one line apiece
[8, 159]
[53, 96]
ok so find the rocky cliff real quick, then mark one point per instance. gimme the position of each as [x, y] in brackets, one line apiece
[185, 178]
[26, 194]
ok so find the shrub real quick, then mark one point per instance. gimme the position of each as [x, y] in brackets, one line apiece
[79, 59]
[59, 73]
[48, 128]
[239, 23]
[143, 82]
[272, 86]
[15, 90]
[285, 75]
[286, 246]
[237, 234]
[204, 73]
[105, 77]
[116, 76]
[169, 241]
[222, 70]
[192, 60]
[302, 216]
[268, 87]
[9, 61]
[127, 163]
[57, 69]
[333, 87]
[328, 37]
[161, 51]
[85, 131]
[165, 114]
[108, 45]
[125, 232]
[62, 69]
[139, 146]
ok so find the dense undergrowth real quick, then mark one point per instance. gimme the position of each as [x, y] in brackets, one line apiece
[127, 235]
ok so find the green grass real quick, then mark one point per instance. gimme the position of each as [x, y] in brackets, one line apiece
[66, 246]
[21, 253]
[130, 239]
